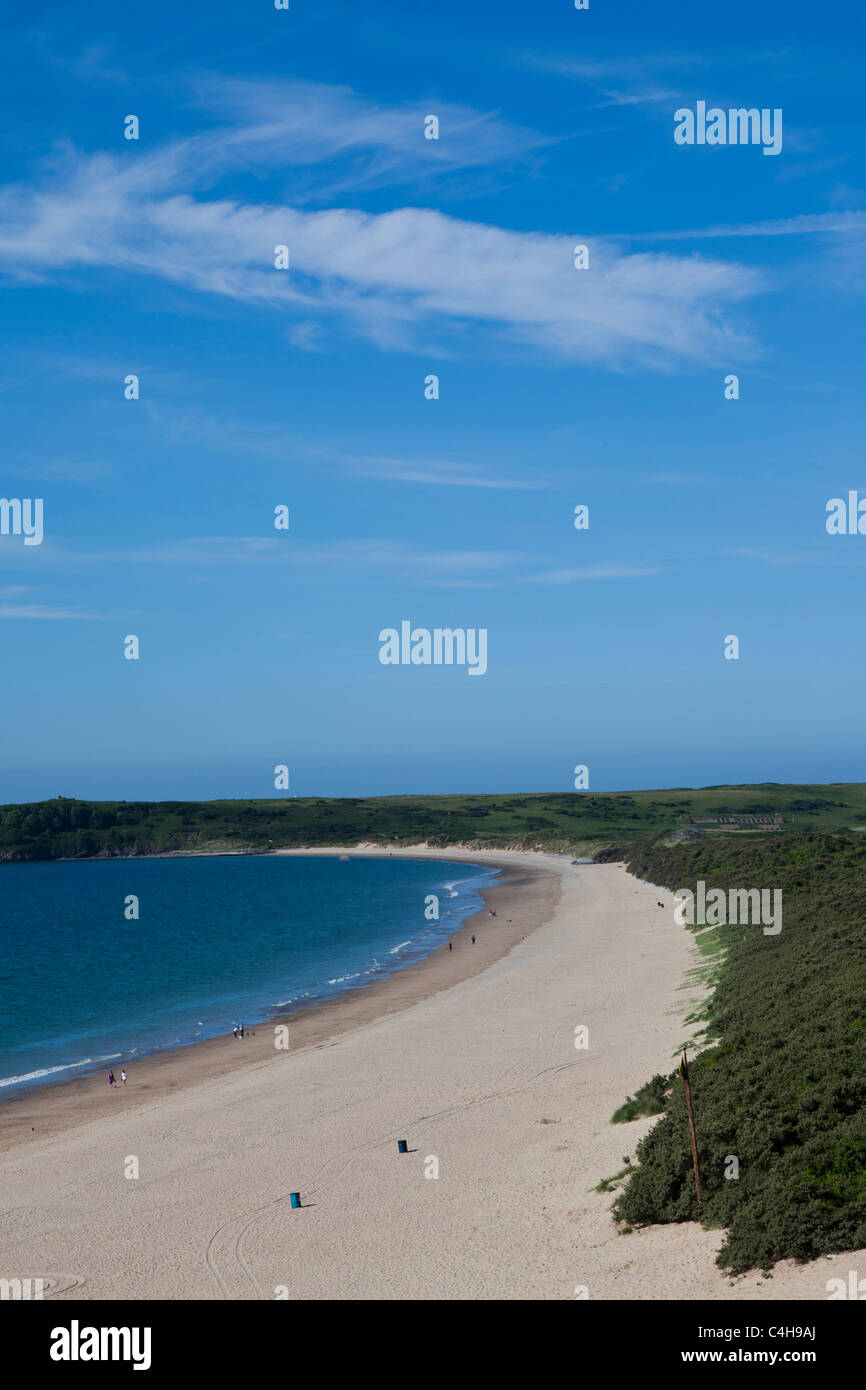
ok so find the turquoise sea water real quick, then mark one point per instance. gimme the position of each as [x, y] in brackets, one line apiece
[218, 941]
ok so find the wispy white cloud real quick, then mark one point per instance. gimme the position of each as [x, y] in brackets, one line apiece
[807, 224]
[66, 470]
[641, 96]
[844, 195]
[806, 168]
[193, 425]
[625, 80]
[390, 277]
[93, 64]
[373, 557]
[439, 472]
[306, 335]
[268, 124]
[10, 607]
[271, 440]
[842, 263]
[678, 479]
[657, 83]
[605, 571]
[826, 555]
[38, 610]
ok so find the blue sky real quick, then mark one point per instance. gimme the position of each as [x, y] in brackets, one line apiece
[305, 387]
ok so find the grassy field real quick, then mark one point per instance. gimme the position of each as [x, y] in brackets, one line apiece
[580, 823]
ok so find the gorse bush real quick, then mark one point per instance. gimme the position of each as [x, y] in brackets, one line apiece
[648, 1100]
[781, 1088]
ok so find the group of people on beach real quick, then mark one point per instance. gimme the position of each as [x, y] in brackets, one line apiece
[451, 946]
[491, 912]
[238, 1030]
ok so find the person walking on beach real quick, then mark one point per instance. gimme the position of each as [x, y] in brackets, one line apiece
[123, 1076]
[241, 1030]
[450, 947]
[236, 1032]
[473, 941]
[111, 1080]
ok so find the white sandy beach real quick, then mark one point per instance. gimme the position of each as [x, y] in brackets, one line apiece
[483, 1076]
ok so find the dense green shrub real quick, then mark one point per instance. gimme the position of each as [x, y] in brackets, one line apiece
[783, 1087]
[648, 1100]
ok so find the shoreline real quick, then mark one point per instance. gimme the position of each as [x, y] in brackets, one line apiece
[483, 1078]
[47, 1110]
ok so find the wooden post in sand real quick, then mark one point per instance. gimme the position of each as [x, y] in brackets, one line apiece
[684, 1073]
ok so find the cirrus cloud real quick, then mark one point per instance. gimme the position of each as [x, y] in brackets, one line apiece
[398, 278]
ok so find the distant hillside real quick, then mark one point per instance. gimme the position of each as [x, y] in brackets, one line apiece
[585, 823]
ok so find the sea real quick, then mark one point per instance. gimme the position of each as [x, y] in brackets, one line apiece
[88, 985]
